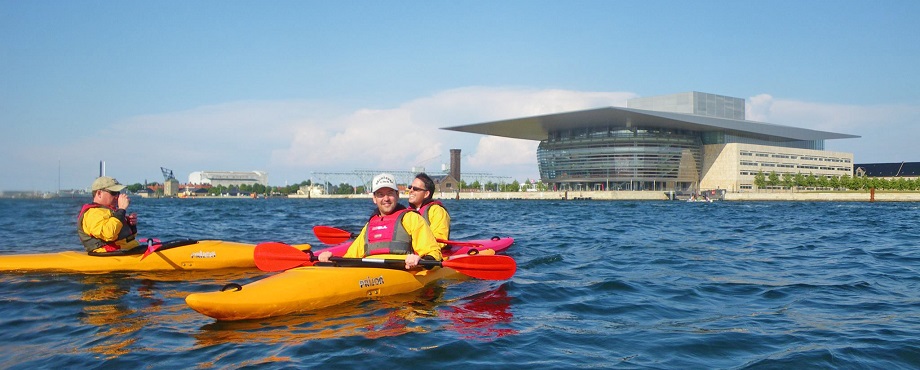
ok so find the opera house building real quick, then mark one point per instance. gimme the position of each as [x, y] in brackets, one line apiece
[682, 142]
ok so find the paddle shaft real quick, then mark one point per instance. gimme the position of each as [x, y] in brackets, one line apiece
[332, 235]
[275, 256]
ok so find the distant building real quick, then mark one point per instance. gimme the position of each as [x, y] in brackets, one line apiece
[687, 141]
[171, 187]
[146, 193]
[311, 190]
[907, 170]
[228, 178]
[445, 183]
[450, 182]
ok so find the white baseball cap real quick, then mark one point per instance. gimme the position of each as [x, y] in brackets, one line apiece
[384, 180]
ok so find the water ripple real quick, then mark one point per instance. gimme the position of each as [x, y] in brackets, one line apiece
[629, 284]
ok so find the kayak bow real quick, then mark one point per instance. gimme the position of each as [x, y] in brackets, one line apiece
[196, 255]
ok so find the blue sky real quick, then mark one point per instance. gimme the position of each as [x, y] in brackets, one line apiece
[297, 87]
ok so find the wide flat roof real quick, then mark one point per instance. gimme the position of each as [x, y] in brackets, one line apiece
[539, 127]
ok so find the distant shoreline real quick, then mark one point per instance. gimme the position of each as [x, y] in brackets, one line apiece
[798, 196]
[662, 196]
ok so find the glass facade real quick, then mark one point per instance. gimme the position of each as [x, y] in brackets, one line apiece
[719, 137]
[638, 149]
[694, 102]
[620, 158]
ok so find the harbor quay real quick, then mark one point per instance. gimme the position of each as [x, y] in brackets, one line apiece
[805, 196]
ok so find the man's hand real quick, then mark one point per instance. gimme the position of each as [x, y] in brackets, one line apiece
[412, 261]
[123, 201]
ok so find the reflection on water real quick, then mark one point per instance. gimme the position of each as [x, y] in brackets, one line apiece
[476, 317]
[119, 305]
[599, 284]
[479, 318]
[106, 309]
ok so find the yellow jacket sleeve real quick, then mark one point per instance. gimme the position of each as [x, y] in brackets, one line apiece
[440, 222]
[100, 223]
[356, 249]
[423, 240]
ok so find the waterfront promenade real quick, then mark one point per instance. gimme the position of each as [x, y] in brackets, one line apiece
[660, 195]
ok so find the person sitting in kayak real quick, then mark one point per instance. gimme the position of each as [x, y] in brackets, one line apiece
[421, 194]
[393, 226]
[103, 225]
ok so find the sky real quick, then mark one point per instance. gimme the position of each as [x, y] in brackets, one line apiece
[300, 88]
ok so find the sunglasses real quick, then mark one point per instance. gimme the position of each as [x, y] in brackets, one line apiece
[410, 187]
[113, 193]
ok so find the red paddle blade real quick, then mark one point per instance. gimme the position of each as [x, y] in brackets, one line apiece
[152, 248]
[488, 267]
[275, 256]
[331, 235]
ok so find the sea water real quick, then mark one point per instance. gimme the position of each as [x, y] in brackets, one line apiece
[600, 284]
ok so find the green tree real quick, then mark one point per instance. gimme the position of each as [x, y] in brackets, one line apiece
[774, 179]
[857, 183]
[760, 180]
[822, 182]
[788, 180]
[799, 180]
[811, 181]
[134, 188]
[344, 188]
[882, 184]
[845, 181]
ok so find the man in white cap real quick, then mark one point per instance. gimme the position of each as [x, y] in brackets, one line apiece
[393, 227]
[103, 225]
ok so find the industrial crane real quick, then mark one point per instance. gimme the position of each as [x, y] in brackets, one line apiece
[167, 174]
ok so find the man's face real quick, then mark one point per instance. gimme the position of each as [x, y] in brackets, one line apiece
[106, 198]
[386, 200]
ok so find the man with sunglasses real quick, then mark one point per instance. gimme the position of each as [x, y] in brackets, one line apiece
[104, 225]
[393, 227]
[421, 199]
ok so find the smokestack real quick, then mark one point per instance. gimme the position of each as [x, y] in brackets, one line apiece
[455, 164]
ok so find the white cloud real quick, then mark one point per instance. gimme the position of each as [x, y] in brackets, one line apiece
[290, 139]
[409, 135]
[887, 132]
[500, 151]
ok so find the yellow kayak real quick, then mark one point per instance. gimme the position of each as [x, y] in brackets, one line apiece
[188, 255]
[310, 288]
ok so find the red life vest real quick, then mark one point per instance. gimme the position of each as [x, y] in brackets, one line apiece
[387, 232]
